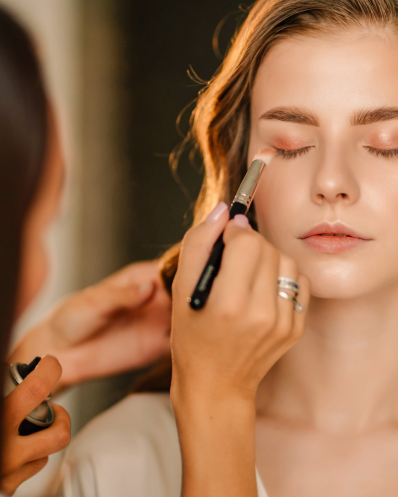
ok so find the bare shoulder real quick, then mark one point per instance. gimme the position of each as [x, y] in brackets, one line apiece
[132, 445]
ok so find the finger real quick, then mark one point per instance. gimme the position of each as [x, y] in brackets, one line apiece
[285, 336]
[49, 441]
[196, 248]
[285, 307]
[134, 350]
[89, 311]
[304, 298]
[11, 482]
[136, 273]
[136, 283]
[127, 289]
[107, 298]
[263, 300]
[239, 265]
[32, 391]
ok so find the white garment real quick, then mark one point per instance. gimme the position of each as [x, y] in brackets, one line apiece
[130, 450]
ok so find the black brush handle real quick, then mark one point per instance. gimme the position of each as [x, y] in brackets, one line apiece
[203, 287]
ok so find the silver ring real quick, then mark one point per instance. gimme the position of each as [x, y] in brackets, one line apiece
[288, 284]
[297, 306]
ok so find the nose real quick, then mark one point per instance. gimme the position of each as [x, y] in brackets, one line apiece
[334, 181]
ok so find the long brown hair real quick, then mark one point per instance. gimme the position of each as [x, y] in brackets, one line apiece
[23, 134]
[220, 123]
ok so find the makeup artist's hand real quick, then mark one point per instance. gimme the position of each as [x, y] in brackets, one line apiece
[24, 456]
[221, 352]
[117, 325]
[227, 347]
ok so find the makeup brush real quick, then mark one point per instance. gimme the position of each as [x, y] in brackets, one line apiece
[240, 205]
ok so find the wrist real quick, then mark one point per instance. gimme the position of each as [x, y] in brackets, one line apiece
[196, 403]
[217, 439]
[209, 395]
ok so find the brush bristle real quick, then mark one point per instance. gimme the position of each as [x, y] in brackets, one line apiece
[265, 155]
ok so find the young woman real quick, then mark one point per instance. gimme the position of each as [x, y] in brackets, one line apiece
[114, 321]
[307, 402]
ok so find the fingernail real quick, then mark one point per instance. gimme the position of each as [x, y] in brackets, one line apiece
[241, 221]
[50, 355]
[216, 212]
[145, 288]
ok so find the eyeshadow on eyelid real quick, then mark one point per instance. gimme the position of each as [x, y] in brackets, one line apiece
[383, 140]
[289, 143]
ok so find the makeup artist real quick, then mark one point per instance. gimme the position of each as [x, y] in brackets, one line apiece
[103, 330]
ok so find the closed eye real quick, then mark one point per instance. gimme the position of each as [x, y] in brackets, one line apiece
[292, 154]
[387, 153]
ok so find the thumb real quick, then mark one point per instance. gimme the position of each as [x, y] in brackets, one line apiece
[105, 298]
[137, 294]
[32, 391]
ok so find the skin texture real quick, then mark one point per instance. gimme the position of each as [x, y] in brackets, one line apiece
[326, 410]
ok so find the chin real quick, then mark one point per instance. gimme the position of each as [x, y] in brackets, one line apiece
[340, 282]
[335, 292]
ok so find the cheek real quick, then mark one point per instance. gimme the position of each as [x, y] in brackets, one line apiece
[382, 202]
[277, 199]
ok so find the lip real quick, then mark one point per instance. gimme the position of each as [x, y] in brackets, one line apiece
[318, 238]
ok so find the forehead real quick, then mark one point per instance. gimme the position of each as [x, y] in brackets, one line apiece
[342, 71]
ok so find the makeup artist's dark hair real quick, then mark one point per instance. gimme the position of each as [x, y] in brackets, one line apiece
[220, 123]
[23, 132]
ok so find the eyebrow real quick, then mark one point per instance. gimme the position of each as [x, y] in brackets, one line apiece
[371, 116]
[302, 116]
[291, 115]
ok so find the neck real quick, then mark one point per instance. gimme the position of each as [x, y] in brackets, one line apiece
[343, 374]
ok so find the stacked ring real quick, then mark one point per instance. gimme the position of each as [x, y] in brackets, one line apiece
[288, 284]
[292, 285]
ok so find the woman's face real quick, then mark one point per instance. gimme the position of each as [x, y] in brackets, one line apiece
[331, 103]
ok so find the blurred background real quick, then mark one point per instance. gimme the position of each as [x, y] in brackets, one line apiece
[117, 71]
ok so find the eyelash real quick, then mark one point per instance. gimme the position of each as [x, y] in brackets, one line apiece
[292, 154]
[388, 154]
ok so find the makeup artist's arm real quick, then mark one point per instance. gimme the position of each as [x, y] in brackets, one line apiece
[222, 352]
[116, 325]
[24, 456]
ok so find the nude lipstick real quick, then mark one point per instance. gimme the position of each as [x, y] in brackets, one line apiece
[333, 238]
[240, 205]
